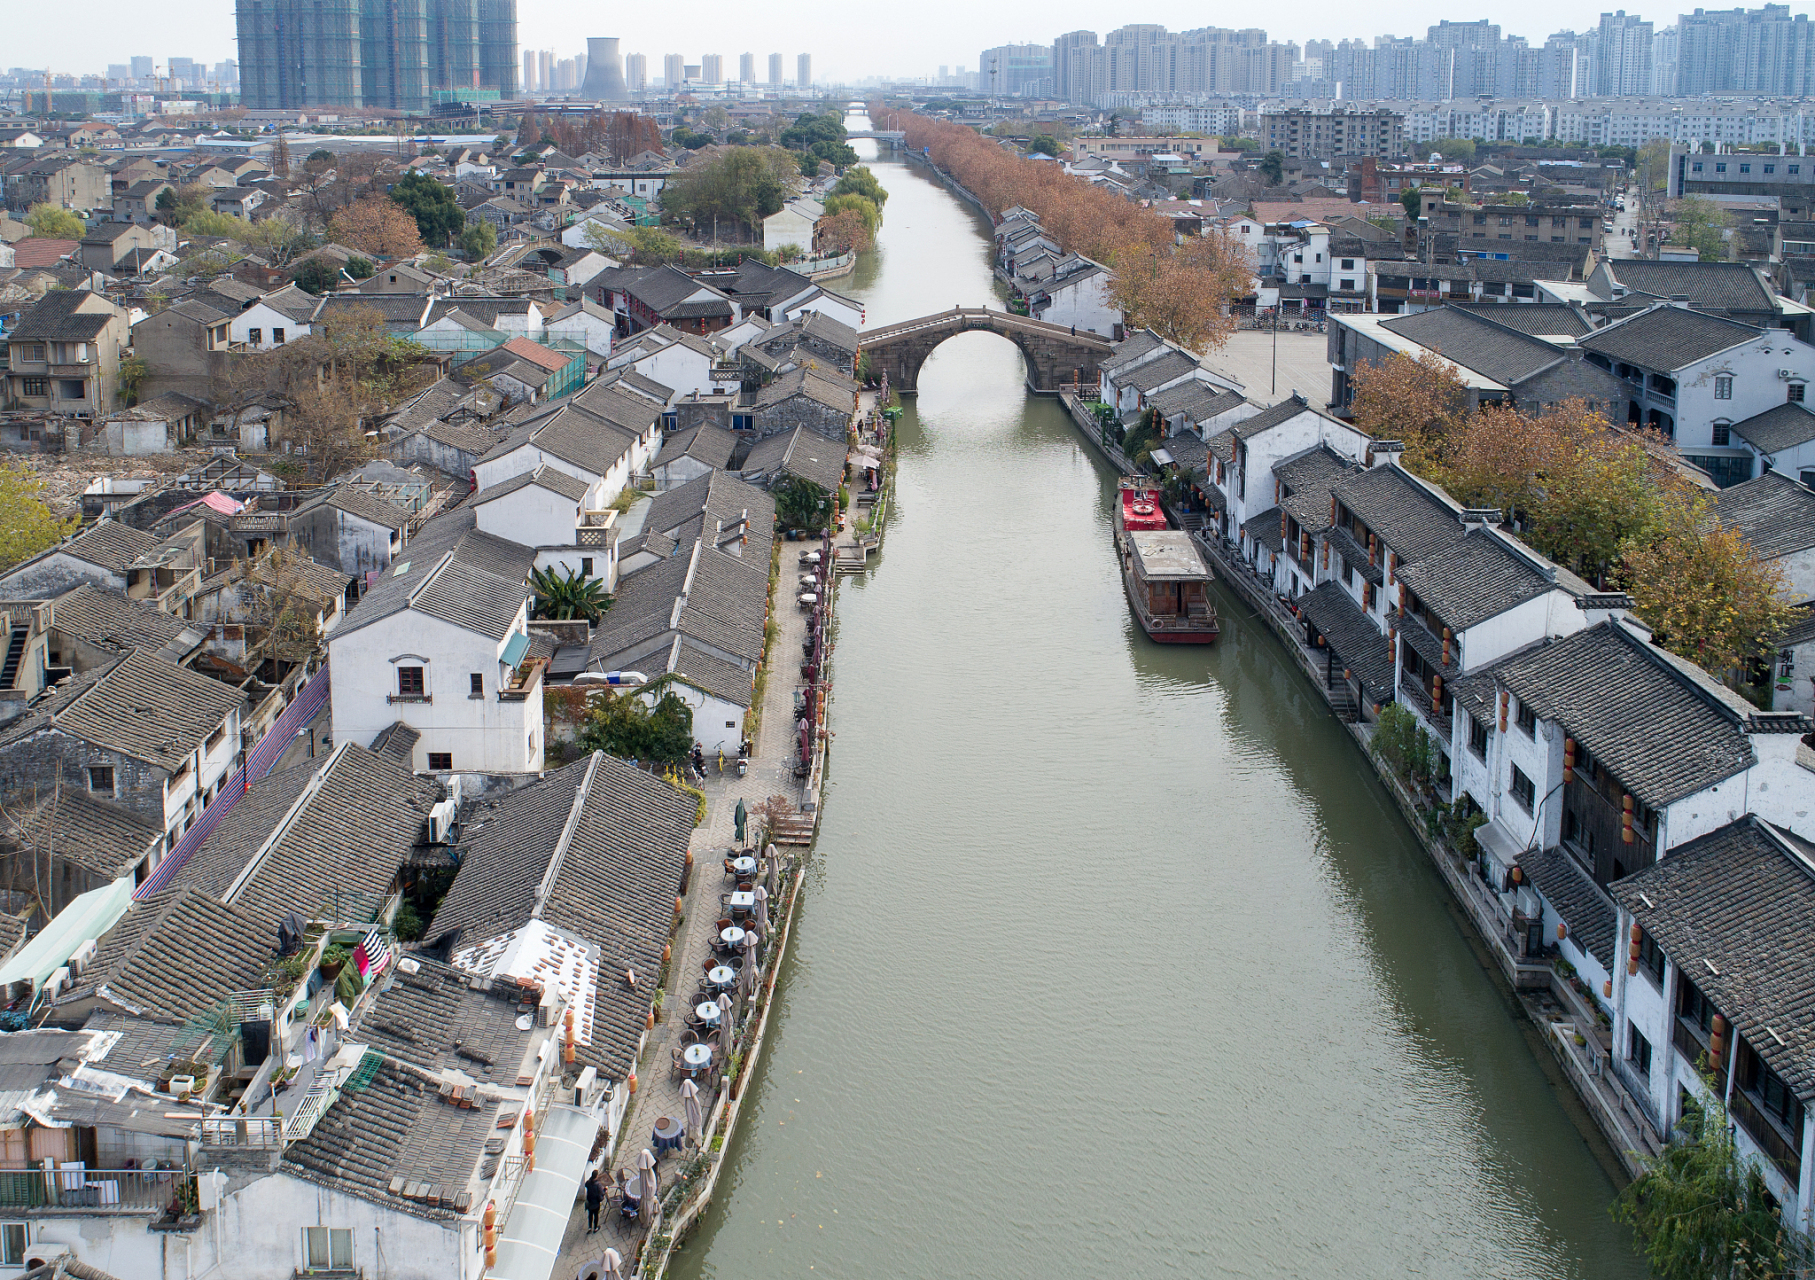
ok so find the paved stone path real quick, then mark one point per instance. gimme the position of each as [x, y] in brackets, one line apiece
[771, 773]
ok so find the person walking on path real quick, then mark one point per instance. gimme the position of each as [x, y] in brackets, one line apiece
[595, 1196]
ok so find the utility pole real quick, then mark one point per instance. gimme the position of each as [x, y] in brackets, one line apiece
[1278, 303]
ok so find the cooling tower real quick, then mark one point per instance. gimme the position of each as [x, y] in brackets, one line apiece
[604, 72]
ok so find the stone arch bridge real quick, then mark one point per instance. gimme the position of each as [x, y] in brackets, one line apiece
[1056, 356]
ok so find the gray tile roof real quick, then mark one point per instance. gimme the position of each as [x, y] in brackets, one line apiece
[111, 545]
[1665, 730]
[1263, 527]
[1537, 319]
[55, 318]
[108, 618]
[1780, 427]
[1576, 897]
[74, 825]
[1308, 478]
[717, 502]
[569, 431]
[722, 679]
[799, 452]
[1473, 579]
[452, 571]
[827, 386]
[1352, 636]
[708, 443]
[614, 885]
[1199, 401]
[1130, 349]
[177, 953]
[1728, 286]
[433, 1021]
[239, 834]
[1474, 341]
[397, 1126]
[557, 482]
[1285, 411]
[1159, 370]
[359, 503]
[396, 741]
[1775, 513]
[150, 710]
[1735, 909]
[1666, 337]
[1401, 512]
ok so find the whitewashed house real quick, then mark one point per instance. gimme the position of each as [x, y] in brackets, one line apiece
[1073, 291]
[792, 226]
[278, 317]
[1243, 456]
[607, 433]
[567, 522]
[1694, 377]
[440, 644]
[685, 362]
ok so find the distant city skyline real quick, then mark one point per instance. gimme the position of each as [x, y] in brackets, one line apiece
[843, 50]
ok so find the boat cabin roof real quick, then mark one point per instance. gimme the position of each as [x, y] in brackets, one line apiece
[1167, 556]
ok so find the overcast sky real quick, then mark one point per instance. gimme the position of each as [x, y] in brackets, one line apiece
[848, 41]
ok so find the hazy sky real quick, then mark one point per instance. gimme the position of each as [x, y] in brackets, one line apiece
[846, 40]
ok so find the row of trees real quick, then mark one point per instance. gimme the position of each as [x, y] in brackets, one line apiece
[616, 134]
[1182, 293]
[1608, 503]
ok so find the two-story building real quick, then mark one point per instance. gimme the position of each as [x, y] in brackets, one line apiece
[1692, 377]
[606, 433]
[65, 354]
[439, 643]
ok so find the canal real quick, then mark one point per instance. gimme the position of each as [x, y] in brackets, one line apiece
[1114, 959]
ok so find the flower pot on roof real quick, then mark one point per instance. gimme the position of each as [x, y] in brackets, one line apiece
[333, 960]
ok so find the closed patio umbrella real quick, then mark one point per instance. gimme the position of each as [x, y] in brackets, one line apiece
[746, 976]
[727, 1022]
[742, 815]
[690, 1101]
[646, 1174]
[774, 871]
[613, 1265]
[762, 907]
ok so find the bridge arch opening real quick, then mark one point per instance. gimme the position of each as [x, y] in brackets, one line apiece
[1053, 356]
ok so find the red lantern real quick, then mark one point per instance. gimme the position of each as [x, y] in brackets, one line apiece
[1626, 815]
[1569, 759]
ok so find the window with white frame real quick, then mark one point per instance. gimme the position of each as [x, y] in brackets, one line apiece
[1723, 386]
[327, 1249]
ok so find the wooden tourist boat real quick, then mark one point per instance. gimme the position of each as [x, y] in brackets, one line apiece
[1166, 578]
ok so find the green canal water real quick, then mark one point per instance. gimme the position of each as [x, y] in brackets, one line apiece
[1114, 960]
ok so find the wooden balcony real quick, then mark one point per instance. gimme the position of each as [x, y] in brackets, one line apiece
[1784, 1150]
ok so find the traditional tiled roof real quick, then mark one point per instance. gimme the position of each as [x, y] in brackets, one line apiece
[396, 741]
[1352, 635]
[569, 431]
[111, 545]
[1473, 579]
[1401, 512]
[708, 443]
[1727, 286]
[108, 618]
[1474, 340]
[149, 709]
[825, 385]
[1735, 910]
[619, 838]
[178, 953]
[1775, 513]
[434, 1021]
[1780, 427]
[1291, 407]
[557, 482]
[1158, 371]
[454, 572]
[1263, 527]
[1665, 729]
[72, 824]
[1538, 319]
[56, 318]
[362, 505]
[799, 452]
[696, 665]
[1576, 897]
[1666, 337]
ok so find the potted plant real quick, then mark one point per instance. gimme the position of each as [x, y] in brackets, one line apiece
[333, 960]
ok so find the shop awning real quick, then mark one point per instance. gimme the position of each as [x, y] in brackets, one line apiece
[530, 1240]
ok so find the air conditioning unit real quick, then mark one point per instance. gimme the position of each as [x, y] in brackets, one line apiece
[57, 983]
[83, 956]
[441, 822]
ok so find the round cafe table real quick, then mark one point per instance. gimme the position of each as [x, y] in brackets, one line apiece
[722, 976]
[731, 937]
[744, 865]
[707, 1012]
[697, 1056]
[668, 1134]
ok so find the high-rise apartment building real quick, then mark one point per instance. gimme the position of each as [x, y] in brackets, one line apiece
[746, 68]
[775, 71]
[803, 70]
[530, 61]
[545, 70]
[402, 55]
[1620, 56]
[1333, 133]
[712, 68]
[141, 68]
[119, 71]
[1017, 70]
[1764, 51]
[636, 72]
[674, 72]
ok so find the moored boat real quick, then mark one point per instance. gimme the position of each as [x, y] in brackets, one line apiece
[1165, 577]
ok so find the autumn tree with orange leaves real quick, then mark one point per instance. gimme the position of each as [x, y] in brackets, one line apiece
[1419, 401]
[1183, 293]
[378, 226]
[1705, 592]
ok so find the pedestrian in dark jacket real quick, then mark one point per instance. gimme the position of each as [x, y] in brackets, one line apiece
[595, 1196]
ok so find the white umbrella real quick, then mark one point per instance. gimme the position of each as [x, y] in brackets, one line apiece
[747, 975]
[762, 908]
[727, 1022]
[696, 1123]
[614, 1265]
[646, 1172]
[774, 870]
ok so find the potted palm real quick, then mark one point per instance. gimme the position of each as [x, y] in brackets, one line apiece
[333, 960]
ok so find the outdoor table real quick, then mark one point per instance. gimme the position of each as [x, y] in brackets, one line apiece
[633, 1190]
[722, 976]
[697, 1056]
[707, 1012]
[744, 865]
[743, 901]
[732, 936]
[668, 1133]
